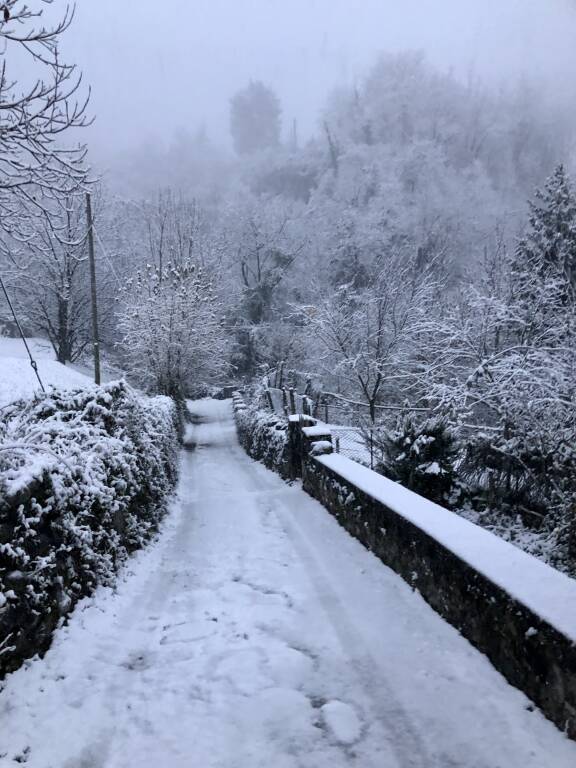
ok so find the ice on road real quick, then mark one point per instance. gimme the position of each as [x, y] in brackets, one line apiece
[255, 633]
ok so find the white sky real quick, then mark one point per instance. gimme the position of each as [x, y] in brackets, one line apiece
[157, 66]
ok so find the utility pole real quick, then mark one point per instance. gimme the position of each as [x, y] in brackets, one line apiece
[95, 337]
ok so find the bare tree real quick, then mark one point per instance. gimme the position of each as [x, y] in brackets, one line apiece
[176, 231]
[53, 291]
[367, 337]
[35, 169]
[266, 242]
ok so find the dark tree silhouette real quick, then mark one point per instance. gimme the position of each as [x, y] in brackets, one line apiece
[255, 119]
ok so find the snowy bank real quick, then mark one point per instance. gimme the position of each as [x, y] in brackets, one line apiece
[17, 378]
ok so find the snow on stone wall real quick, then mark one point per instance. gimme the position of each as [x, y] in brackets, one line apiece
[516, 610]
[84, 478]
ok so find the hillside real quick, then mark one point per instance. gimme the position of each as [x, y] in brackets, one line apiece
[17, 379]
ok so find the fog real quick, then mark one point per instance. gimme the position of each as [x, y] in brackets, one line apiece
[353, 214]
[156, 67]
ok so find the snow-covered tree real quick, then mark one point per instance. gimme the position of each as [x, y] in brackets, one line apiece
[505, 364]
[38, 103]
[421, 455]
[365, 338]
[547, 254]
[53, 289]
[265, 240]
[173, 341]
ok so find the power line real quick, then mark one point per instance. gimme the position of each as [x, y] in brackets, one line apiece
[33, 362]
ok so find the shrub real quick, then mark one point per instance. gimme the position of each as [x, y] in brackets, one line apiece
[264, 436]
[421, 457]
[84, 478]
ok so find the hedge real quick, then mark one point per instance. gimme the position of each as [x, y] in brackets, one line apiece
[84, 480]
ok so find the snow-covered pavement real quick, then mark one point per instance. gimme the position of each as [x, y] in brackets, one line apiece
[256, 633]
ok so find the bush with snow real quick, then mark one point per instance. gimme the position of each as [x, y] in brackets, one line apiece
[421, 457]
[84, 478]
[263, 435]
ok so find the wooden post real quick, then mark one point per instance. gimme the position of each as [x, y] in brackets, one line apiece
[292, 401]
[93, 292]
[270, 401]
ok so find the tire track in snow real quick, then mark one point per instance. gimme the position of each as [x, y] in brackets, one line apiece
[405, 740]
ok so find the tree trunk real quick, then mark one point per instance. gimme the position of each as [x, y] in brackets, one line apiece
[372, 405]
[63, 330]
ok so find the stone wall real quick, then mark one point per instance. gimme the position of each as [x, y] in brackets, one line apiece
[531, 653]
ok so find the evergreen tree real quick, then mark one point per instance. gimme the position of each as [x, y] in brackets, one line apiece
[544, 266]
[255, 119]
[421, 457]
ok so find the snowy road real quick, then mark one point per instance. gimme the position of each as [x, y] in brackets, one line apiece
[256, 633]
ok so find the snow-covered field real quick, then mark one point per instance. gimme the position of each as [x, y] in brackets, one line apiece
[17, 378]
[257, 633]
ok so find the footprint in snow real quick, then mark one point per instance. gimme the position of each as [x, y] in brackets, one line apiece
[342, 722]
[137, 662]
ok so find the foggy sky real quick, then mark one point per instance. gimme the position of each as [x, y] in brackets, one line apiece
[157, 66]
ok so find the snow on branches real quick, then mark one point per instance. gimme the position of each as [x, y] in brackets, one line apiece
[171, 323]
[40, 98]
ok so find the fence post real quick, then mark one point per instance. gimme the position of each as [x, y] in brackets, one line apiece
[284, 402]
[326, 413]
[270, 401]
[292, 401]
[371, 448]
[316, 410]
[337, 444]
[281, 380]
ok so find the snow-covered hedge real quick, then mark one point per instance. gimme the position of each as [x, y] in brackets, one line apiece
[84, 478]
[263, 435]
